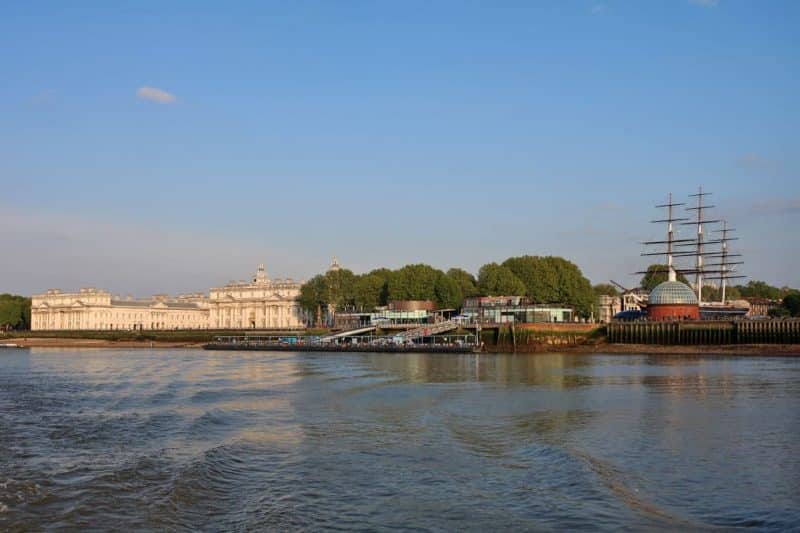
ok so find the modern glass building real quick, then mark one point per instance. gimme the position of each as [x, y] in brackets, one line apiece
[506, 309]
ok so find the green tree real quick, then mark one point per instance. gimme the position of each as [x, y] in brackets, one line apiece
[552, 279]
[786, 291]
[340, 284]
[369, 291]
[573, 287]
[713, 294]
[448, 292]
[657, 274]
[10, 314]
[759, 289]
[779, 312]
[15, 312]
[466, 282]
[732, 293]
[385, 274]
[498, 280]
[538, 275]
[791, 302]
[605, 289]
[334, 288]
[314, 293]
[413, 282]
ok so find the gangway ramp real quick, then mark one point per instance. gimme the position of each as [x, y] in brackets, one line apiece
[347, 333]
[427, 330]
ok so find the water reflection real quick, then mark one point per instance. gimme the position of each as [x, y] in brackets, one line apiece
[192, 439]
[545, 369]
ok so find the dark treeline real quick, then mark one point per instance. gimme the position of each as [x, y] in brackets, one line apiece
[15, 312]
[542, 279]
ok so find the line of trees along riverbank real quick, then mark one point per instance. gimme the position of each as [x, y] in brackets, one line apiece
[542, 279]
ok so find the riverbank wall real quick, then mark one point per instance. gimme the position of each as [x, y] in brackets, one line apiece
[540, 337]
[704, 332]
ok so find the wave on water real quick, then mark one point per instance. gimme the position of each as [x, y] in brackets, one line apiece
[227, 482]
[102, 431]
[16, 494]
[618, 484]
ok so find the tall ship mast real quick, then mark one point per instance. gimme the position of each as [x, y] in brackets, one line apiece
[671, 241]
[725, 269]
[699, 241]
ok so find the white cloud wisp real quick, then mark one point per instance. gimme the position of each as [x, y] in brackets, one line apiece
[158, 96]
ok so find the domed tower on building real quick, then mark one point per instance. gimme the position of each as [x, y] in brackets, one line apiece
[672, 300]
[335, 267]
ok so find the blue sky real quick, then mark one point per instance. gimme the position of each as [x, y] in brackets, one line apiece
[172, 146]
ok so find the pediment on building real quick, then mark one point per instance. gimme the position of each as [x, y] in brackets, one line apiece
[159, 305]
[78, 303]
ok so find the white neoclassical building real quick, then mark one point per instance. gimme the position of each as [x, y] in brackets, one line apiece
[96, 309]
[259, 304]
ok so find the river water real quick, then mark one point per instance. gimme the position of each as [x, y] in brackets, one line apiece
[186, 440]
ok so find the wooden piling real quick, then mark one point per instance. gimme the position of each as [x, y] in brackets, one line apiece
[704, 332]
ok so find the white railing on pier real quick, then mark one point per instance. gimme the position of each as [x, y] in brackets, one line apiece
[428, 330]
[348, 333]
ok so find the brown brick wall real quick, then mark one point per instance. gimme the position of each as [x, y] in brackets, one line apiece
[673, 312]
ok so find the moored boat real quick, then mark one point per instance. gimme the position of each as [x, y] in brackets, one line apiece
[12, 346]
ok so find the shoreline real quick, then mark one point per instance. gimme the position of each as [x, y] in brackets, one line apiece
[60, 342]
[528, 349]
[777, 350]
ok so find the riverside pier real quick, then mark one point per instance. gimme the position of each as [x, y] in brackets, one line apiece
[422, 338]
[348, 343]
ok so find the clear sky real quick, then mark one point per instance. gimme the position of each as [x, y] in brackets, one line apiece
[172, 146]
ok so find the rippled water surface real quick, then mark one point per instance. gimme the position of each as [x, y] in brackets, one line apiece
[176, 439]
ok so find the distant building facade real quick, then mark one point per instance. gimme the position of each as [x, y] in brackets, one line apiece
[607, 307]
[635, 299]
[760, 307]
[262, 303]
[96, 309]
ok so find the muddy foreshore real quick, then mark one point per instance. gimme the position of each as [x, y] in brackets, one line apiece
[655, 349]
[533, 348]
[56, 342]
